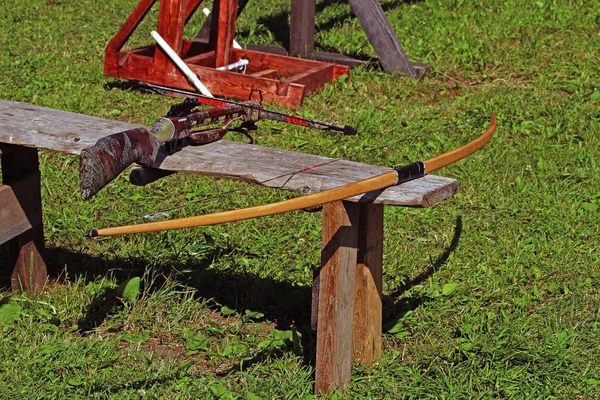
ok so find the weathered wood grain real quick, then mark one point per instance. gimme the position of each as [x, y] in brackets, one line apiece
[14, 212]
[20, 169]
[372, 18]
[336, 296]
[33, 126]
[302, 28]
[366, 344]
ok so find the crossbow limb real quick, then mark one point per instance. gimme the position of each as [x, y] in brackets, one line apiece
[391, 178]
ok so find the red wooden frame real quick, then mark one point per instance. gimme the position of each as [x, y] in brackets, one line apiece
[282, 80]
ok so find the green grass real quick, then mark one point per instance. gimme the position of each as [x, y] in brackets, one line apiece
[223, 311]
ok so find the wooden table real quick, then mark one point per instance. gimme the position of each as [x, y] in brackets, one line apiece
[346, 304]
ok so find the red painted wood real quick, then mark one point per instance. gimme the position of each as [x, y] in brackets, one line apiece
[190, 9]
[130, 24]
[223, 30]
[313, 78]
[366, 339]
[265, 71]
[285, 65]
[171, 22]
[205, 59]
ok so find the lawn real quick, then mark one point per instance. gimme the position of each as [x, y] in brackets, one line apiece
[493, 293]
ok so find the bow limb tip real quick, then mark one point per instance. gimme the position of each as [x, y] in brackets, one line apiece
[91, 233]
[349, 130]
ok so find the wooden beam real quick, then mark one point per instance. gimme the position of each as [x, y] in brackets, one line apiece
[130, 25]
[266, 73]
[20, 165]
[372, 18]
[223, 30]
[336, 296]
[367, 307]
[204, 33]
[171, 22]
[314, 78]
[302, 28]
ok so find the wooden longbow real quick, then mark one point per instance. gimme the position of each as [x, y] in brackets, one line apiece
[394, 177]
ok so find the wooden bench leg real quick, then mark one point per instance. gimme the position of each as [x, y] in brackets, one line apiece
[347, 292]
[367, 303]
[20, 171]
[336, 296]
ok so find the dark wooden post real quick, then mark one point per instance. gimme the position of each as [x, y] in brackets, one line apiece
[336, 296]
[21, 191]
[346, 309]
[367, 303]
[302, 28]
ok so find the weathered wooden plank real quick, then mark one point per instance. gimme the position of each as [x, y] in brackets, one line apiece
[366, 340]
[45, 128]
[336, 296]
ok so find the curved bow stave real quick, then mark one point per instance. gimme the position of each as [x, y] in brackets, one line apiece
[391, 178]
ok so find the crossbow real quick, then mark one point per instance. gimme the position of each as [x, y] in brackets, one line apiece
[183, 125]
[394, 177]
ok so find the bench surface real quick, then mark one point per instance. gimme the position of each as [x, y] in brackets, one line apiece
[44, 128]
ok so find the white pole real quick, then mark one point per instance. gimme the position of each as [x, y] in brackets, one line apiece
[242, 63]
[182, 66]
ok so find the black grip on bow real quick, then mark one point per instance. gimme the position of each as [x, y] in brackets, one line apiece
[409, 172]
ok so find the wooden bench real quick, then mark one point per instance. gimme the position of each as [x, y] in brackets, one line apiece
[346, 304]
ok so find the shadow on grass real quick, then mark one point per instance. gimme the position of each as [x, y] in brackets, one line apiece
[397, 306]
[281, 302]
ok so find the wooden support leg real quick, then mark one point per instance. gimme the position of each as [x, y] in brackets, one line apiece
[336, 296]
[384, 40]
[302, 28]
[223, 30]
[367, 304]
[170, 26]
[20, 170]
